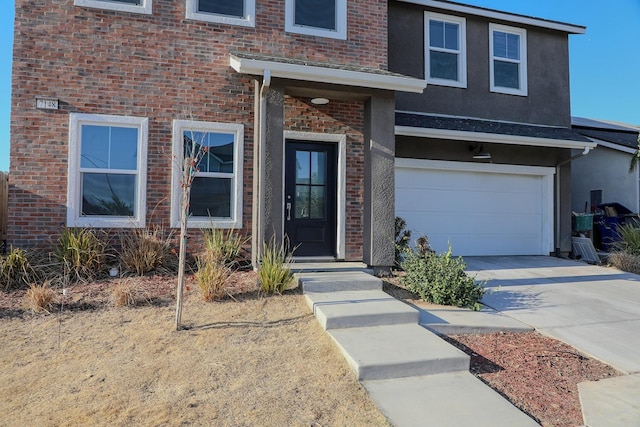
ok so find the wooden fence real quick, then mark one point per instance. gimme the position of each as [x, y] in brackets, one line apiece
[4, 206]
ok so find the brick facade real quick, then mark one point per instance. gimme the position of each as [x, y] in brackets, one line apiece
[162, 67]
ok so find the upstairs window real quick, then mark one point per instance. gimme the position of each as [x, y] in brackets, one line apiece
[324, 18]
[445, 58]
[216, 190]
[233, 12]
[508, 59]
[135, 6]
[107, 171]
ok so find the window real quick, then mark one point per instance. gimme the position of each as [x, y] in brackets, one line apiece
[508, 59]
[234, 12]
[324, 18]
[107, 171]
[445, 58]
[135, 6]
[216, 191]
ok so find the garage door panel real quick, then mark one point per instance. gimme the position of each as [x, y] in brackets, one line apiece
[478, 212]
[465, 202]
[462, 224]
[486, 246]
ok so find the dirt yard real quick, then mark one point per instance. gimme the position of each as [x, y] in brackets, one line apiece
[244, 362]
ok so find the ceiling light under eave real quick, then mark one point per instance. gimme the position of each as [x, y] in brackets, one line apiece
[319, 101]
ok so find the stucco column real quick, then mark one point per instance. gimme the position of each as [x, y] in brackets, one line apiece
[268, 170]
[379, 181]
[564, 234]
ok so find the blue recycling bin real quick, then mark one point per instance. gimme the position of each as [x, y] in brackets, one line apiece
[606, 227]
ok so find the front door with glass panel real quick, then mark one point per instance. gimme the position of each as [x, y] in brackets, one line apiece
[310, 197]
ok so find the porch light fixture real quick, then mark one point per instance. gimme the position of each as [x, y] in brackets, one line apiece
[479, 153]
[319, 101]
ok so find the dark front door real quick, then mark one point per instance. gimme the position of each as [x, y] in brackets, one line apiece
[310, 197]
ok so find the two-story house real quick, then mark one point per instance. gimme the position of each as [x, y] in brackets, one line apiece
[311, 111]
[292, 98]
[484, 153]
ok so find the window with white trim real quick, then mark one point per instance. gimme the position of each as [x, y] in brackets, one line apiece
[233, 12]
[216, 190]
[508, 59]
[446, 42]
[134, 6]
[324, 18]
[107, 171]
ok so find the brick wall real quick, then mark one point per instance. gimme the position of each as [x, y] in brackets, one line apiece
[159, 66]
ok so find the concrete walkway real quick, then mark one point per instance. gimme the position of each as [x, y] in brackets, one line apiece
[415, 378]
[594, 309]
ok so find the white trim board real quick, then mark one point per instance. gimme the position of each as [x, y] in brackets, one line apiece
[503, 16]
[613, 146]
[326, 75]
[493, 138]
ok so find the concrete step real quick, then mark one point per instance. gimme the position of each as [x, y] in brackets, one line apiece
[350, 309]
[397, 351]
[337, 281]
[453, 399]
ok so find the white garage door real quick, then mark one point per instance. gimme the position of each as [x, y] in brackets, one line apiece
[481, 209]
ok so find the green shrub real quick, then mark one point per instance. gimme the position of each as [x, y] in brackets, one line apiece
[402, 238]
[629, 239]
[223, 247]
[212, 279]
[81, 252]
[143, 250]
[15, 270]
[274, 274]
[441, 279]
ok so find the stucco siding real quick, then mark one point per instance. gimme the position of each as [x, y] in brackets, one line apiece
[607, 170]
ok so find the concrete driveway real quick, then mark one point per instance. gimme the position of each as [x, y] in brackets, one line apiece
[594, 309]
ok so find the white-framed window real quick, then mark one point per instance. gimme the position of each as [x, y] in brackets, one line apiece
[134, 6]
[508, 59]
[216, 191]
[107, 175]
[323, 18]
[233, 12]
[446, 50]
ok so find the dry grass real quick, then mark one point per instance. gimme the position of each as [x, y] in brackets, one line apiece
[625, 261]
[39, 298]
[248, 362]
[128, 293]
[211, 279]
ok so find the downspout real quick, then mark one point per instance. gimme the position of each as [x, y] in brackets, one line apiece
[558, 166]
[260, 172]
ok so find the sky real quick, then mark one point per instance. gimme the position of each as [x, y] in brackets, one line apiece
[604, 62]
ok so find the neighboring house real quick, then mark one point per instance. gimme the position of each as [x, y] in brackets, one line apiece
[311, 111]
[484, 153]
[603, 176]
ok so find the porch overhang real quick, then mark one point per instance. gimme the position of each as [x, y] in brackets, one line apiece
[483, 131]
[312, 71]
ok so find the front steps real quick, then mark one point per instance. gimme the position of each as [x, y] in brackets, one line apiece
[414, 377]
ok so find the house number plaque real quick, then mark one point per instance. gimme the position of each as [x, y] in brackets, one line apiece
[46, 104]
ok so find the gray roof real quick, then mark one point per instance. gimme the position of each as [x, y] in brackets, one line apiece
[487, 126]
[616, 133]
[308, 63]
